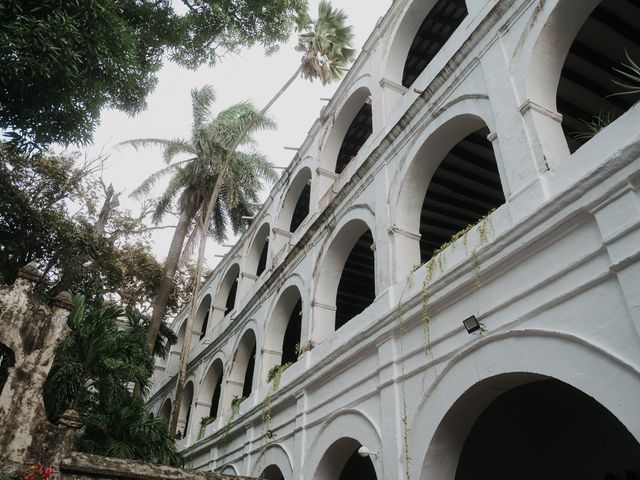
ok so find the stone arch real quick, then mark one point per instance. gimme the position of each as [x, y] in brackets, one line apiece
[331, 449]
[425, 25]
[296, 203]
[258, 254]
[274, 456]
[210, 392]
[227, 295]
[283, 330]
[354, 230]
[512, 359]
[201, 322]
[185, 417]
[229, 470]
[572, 62]
[241, 378]
[352, 127]
[450, 181]
[7, 361]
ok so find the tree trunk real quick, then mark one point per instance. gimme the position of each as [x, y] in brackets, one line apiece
[166, 282]
[186, 346]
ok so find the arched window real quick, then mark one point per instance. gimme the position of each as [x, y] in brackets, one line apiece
[291, 340]
[590, 81]
[358, 132]
[257, 254]
[356, 290]
[465, 187]
[295, 206]
[7, 361]
[241, 377]
[165, 410]
[184, 419]
[301, 209]
[210, 391]
[202, 317]
[439, 24]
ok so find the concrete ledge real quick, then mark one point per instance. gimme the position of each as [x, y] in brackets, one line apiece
[84, 466]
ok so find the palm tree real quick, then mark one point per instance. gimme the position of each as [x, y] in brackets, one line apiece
[326, 47]
[192, 179]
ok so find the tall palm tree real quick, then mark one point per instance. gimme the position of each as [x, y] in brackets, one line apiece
[326, 47]
[192, 180]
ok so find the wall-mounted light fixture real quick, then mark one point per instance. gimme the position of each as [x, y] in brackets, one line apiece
[471, 324]
[365, 452]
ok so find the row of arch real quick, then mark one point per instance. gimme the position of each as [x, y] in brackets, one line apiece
[467, 182]
[531, 419]
[446, 188]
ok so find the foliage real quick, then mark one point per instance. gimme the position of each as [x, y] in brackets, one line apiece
[93, 371]
[631, 72]
[204, 423]
[326, 45]
[34, 472]
[593, 127]
[49, 208]
[275, 373]
[62, 62]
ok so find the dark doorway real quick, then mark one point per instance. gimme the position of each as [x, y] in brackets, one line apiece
[231, 298]
[588, 77]
[465, 187]
[262, 263]
[357, 289]
[215, 400]
[205, 324]
[357, 133]
[247, 387]
[548, 429]
[272, 472]
[302, 208]
[291, 341]
[439, 24]
[358, 468]
[7, 361]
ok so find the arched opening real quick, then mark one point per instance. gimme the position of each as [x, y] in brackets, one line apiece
[301, 209]
[241, 377]
[356, 289]
[272, 472]
[258, 253]
[342, 462]
[282, 342]
[439, 24]
[184, 419]
[291, 340]
[7, 361]
[589, 84]
[231, 297]
[548, 429]
[295, 206]
[358, 132]
[211, 390]
[350, 130]
[201, 323]
[464, 188]
[165, 410]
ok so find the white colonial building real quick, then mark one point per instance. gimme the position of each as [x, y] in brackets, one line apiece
[458, 116]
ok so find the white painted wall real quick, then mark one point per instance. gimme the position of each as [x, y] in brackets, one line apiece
[559, 275]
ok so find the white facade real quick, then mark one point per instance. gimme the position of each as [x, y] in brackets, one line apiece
[553, 274]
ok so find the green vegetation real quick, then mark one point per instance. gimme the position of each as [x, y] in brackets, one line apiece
[61, 63]
[93, 372]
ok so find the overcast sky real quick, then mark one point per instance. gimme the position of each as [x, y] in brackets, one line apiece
[249, 75]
